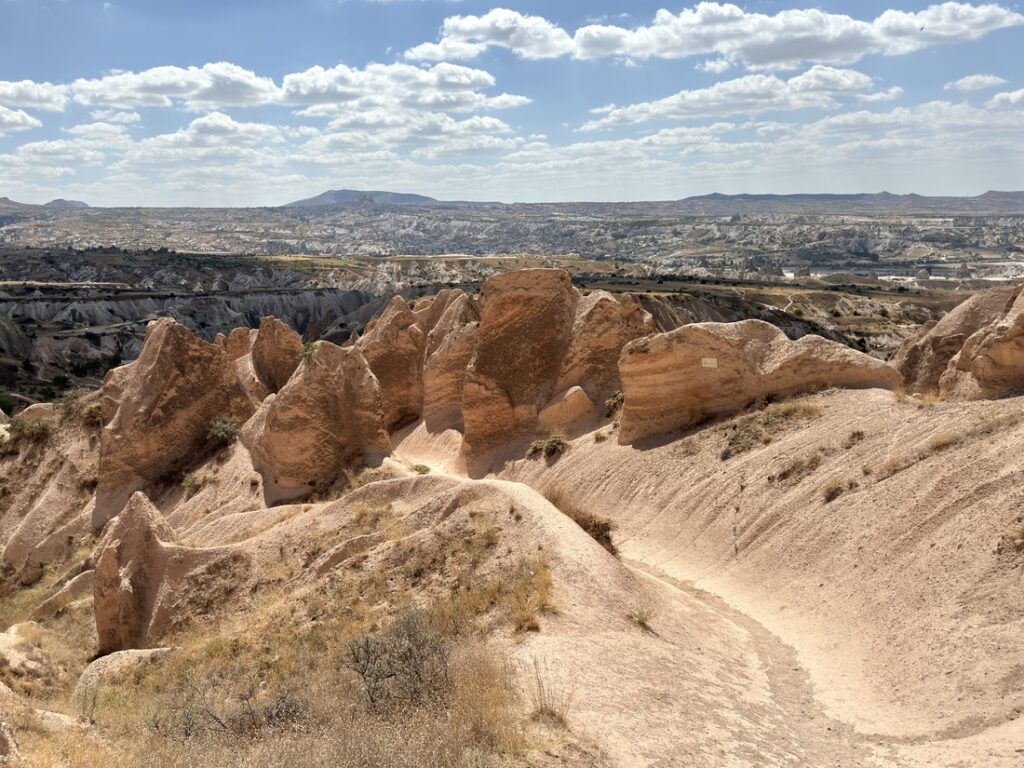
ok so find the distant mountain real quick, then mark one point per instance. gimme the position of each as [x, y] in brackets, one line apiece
[60, 204]
[881, 202]
[344, 196]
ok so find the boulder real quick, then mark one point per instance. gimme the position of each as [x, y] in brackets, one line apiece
[568, 408]
[924, 357]
[990, 364]
[451, 345]
[158, 410]
[34, 413]
[677, 379]
[276, 353]
[78, 588]
[394, 346]
[602, 326]
[131, 561]
[525, 328]
[329, 417]
[114, 668]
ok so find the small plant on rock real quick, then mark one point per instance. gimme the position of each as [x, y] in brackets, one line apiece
[614, 404]
[223, 430]
[554, 445]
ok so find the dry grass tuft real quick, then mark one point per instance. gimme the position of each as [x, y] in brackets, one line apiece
[551, 695]
[797, 469]
[597, 527]
[760, 427]
[943, 441]
[835, 488]
[550, 447]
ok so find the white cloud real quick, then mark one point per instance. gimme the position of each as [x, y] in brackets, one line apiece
[975, 83]
[32, 95]
[714, 66]
[750, 94]
[115, 116]
[13, 120]
[212, 86]
[785, 40]
[1008, 99]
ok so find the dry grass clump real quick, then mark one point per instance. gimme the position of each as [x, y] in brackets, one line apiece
[549, 447]
[30, 431]
[421, 469]
[529, 594]
[797, 469]
[365, 476]
[82, 405]
[551, 694]
[1013, 540]
[943, 441]
[835, 488]
[760, 426]
[854, 437]
[597, 527]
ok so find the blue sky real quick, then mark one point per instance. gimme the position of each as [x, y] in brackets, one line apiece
[259, 102]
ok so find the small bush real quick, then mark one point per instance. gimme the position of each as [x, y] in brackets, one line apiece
[797, 469]
[421, 469]
[406, 665]
[308, 353]
[554, 445]
[600, 437]
[614, 404]
[31, 431]
[598, 528]
[223, 430]
[550, 696]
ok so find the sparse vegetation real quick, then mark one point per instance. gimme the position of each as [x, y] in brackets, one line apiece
[943, 441]
[223, 430]
[835, 488]
[614, 404]
[308, 353]
[421, 469]
[797, 469]
[597, 527]
[854, 437]
[760, 426]
[551, 695]
[549, 447]
[35, 431]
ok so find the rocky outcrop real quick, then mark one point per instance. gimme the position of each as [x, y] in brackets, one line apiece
[568, 408]
[158, 412]
[276, 353]
[925, 356]
[990, 364]
[238, 342]
[329, 417]
[34, 413]
[394, 347]
[602, 326]
[131, 561]
[451, 345]
[675, 380]
[525, 329]
[113, 668]
[78, 588]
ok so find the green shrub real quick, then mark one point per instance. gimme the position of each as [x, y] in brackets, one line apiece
[614, 404]
[223, 430]
[549, 447]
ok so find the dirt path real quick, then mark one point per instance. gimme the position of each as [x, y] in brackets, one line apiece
[814, 739]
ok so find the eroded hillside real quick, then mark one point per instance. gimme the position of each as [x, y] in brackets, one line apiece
[521, 527]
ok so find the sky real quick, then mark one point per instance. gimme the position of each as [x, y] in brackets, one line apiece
[254, 103]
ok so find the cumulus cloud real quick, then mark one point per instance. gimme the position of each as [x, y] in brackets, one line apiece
[975, 83]
[32, 95]
[786, 40]
[750, 94]
[1008, 99]
[13, 120]
[115, 116]
[212, 86]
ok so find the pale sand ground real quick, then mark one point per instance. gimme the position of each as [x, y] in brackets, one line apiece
[880, 629]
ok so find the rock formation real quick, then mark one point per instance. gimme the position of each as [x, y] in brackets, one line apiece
[451, 345]
[525, 328]
[158, 410]
[239, 342]
[328, 417]
[602, 326]
[131, 560]
[276, 353]
[990, 363]
[675, 380]
[394, 346]
[924, 357]
[8, 745]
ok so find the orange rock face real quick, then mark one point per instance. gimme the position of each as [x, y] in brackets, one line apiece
[451, 345]
[675, 380]
[329, 417]
[275, 353]
[525, 328]
[158, 410]
[394, 346]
